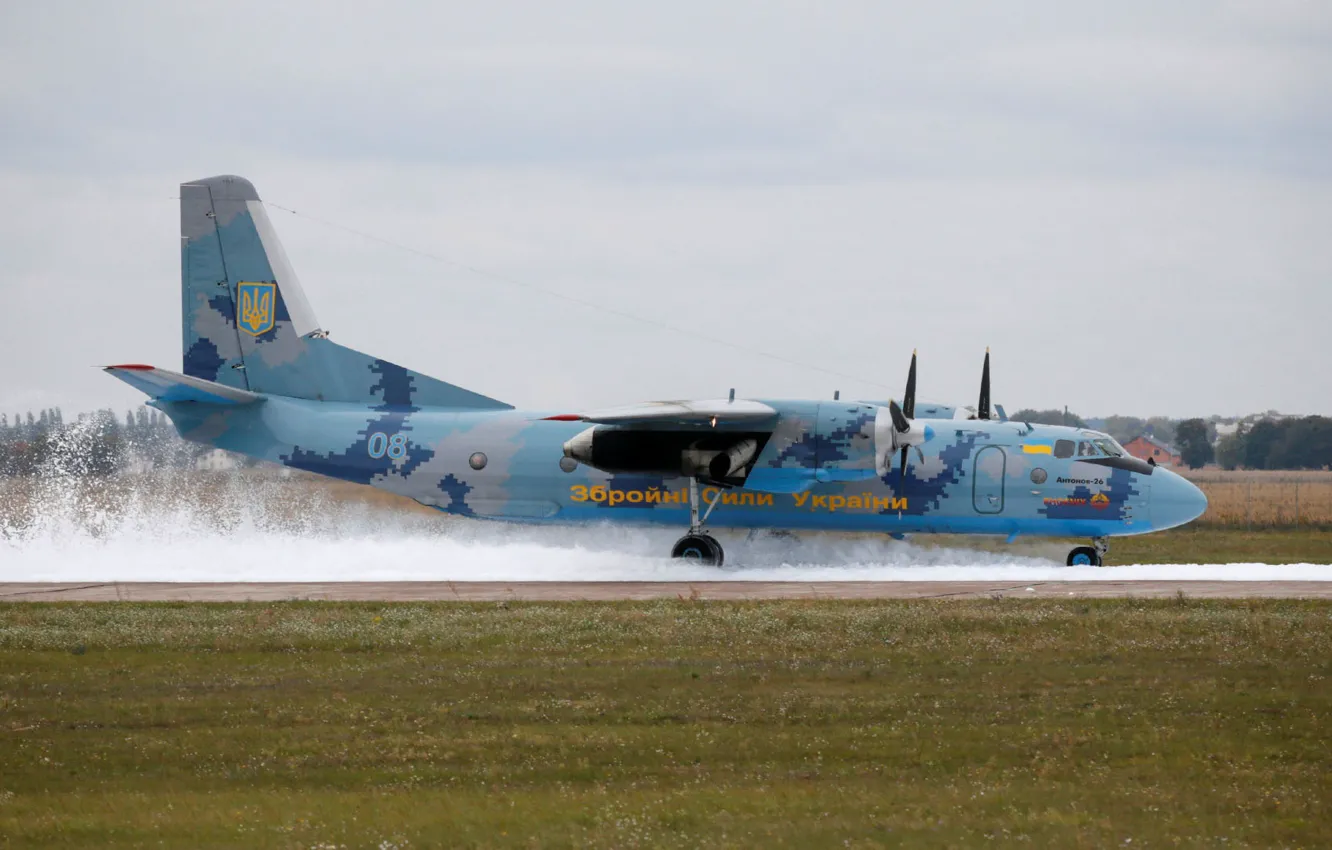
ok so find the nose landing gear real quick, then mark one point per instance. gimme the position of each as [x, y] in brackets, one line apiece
[1090, 556]
[698, 545]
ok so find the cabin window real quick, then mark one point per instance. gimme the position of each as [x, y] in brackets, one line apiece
[1063, 448]
[1086, 449]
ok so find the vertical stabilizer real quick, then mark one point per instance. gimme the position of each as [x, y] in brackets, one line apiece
[208, 309]
[249, 325]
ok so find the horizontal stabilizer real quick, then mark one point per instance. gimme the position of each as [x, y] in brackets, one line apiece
[162, 385]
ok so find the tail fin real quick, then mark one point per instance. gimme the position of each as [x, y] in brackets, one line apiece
[248, 325]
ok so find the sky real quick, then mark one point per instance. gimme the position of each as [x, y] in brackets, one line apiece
[591, 204]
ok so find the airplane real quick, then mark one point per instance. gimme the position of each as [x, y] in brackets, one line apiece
[260, 377]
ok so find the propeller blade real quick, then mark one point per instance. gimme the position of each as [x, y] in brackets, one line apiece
[901, 473]
[909, 398]
[900, 422]
[983, 408]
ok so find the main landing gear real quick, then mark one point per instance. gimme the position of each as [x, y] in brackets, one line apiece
[698, 545]
[1089, 556]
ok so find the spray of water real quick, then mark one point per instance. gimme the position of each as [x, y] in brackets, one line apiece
[257, 525]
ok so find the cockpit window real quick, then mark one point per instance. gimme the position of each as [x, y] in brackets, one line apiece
[1063, 448]
[1110, 447]
[1086, 449]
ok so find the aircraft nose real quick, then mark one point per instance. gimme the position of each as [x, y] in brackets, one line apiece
[1174, 500]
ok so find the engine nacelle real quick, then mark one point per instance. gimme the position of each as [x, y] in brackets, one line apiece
[713, 457]
[579, 446]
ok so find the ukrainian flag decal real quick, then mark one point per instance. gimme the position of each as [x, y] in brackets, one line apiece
[1036, 449]
[256, 308]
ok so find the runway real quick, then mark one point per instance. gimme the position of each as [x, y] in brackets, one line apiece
[550, 591]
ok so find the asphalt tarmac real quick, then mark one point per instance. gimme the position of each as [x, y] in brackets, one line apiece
[487, 591]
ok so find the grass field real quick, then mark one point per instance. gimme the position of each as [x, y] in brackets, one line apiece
[1265, 498]
[1191, 544]
[1050, 724]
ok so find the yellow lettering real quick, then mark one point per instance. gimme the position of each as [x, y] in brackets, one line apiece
[854, 502]
[578, 493]
[731, 498]
[598, 493]
[746, 498]
[709, 494]
[899, 504]
[800, 499]
[820, 502]
[616, 496]
[835, 502]
[653, 496]
[634, 496]
[765, 499]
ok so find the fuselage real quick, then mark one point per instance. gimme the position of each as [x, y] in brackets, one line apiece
[820, 468]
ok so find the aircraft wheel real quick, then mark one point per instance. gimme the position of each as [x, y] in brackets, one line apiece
[699, 547]
[1084, 556]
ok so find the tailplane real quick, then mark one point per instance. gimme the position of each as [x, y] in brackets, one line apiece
[165, 386]
[248, 325]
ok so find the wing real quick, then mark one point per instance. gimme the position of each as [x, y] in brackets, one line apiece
[713, 440]
[709, 413]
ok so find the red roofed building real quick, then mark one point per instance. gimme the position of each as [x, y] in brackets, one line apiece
[1149, 448]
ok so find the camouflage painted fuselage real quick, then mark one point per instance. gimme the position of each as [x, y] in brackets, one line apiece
[970, 477]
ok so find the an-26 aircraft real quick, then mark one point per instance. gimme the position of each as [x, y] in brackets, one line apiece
[261, 378]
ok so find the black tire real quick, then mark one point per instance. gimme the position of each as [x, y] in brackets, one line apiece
[1084, 556]
[699, 547]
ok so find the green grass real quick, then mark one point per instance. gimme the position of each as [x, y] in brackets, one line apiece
[921, 723]
[1211, 545]
[1191, 544]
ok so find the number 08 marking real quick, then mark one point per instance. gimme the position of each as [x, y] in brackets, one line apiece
[380, 444]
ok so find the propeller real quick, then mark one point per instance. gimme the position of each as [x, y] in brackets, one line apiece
[909, 398]
[902, 417]
[983, 407]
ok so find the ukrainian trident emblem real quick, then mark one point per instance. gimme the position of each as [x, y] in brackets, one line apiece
[257, 311]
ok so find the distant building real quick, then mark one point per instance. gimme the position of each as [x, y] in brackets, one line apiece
[216, 460]
[1149, 448]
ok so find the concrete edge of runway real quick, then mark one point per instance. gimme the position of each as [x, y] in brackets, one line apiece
[487, 591]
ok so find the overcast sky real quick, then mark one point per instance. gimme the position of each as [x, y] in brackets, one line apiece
[1130, 204]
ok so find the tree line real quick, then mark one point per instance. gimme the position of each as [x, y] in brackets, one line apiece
[1293, 443]
[1269, 441]
[97, 443]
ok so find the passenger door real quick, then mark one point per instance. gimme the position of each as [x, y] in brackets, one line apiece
[987, 480]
